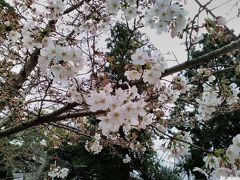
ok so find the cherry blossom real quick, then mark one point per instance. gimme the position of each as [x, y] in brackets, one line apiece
[211, 162]
[236, 140]
[232, 153]
[58, 172]
[146, 120]
[151, 76]
[95, 147]
[16, 142]
[58, 7]
[130, 12]
[164, 13]
[113, 6]
[28, 43]
[133, 75]
[116, 115]
[211, 78]
[140, 106]
[233, 98]
[98, 101]
[127, 159]
[210, 99]
[43, 142]
[139, 57]
[74, 95]
[50, 50]
[130, 110]
[14, 36]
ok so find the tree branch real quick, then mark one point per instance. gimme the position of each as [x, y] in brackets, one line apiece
[157, 131]
[75, 6]
[52, 117]
[204, 58]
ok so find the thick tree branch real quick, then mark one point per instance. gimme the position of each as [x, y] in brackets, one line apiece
[52, 117]
[75, 6]
[71, 129]
[206, 58]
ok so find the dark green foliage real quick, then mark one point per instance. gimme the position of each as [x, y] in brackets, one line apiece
[217, 64]
[109, 165]
[122, 44]
[5, 172]
[149, 167]
[3, 3]
[86, 166]
[217, 132]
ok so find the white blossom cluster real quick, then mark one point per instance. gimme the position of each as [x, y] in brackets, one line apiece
[155, 67]
[58, 172]
[16, 142]
[113, 6]
[57, 7]
[122, 109]
[94, 147]
[233, 97]
[14, 36]
[223, 167]
[209, 101]
[211, 97]
[233, 152]
[211, 162]
[74, 95]
[164, 15]
[130, 9]
[63, 61]
[179, 149]
[27, 35]
[155, 71]
[126, 159]
[172, 92]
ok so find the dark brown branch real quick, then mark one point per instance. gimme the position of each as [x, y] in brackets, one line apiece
[75, 6]
[206, 58]
[52, 117]
[63, 109]
[71, 129]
